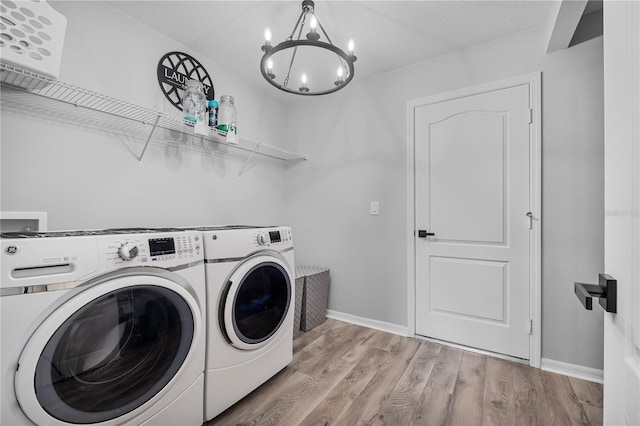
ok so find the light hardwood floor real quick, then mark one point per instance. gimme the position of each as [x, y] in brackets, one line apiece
[343, 374]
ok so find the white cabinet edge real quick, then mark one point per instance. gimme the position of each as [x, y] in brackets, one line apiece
[41, 217]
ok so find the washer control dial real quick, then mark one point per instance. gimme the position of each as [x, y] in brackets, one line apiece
[128, 251]
[263, 238]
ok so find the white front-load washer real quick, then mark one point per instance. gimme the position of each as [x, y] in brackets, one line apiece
[250, 295]
[102, 328]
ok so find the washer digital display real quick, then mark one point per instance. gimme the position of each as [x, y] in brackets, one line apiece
[274, 236]
[161, 246]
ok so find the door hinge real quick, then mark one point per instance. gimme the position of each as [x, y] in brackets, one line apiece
[530, 326]
[530, 115]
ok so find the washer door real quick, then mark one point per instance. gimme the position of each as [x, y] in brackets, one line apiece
[108, 351]
[256, 302]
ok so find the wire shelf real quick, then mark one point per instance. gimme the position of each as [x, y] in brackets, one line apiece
[64, 102]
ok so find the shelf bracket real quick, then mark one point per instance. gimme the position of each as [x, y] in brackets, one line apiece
[249, 157]
[148, 140]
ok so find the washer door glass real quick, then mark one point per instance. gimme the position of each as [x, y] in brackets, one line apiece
[260, 302]
[114, 354]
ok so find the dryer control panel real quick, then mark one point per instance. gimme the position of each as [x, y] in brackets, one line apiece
[265, 238]
[222, 244]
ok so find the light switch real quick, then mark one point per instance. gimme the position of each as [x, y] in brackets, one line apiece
[375, 207]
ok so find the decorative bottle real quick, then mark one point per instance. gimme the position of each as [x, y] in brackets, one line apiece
[194, 102]
[213, 112]
[227, 115]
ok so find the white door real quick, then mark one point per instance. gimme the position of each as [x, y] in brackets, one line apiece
[472, 192]
[622, 210]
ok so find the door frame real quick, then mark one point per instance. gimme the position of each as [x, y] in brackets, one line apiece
[535, 199]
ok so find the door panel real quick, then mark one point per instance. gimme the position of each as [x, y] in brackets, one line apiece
[483, 283]
[473, 212]
[472, 192]
[256, 302]
[622, 210]
[108, 352]
[135, 338]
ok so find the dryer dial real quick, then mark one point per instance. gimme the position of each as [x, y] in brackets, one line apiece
[263, 238]
[128, 251]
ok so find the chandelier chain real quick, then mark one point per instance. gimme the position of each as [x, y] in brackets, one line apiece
[324, 32]
[303, 17]
[296, 26]
[341, 61]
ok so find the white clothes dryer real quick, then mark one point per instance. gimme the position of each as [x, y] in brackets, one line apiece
[102, 328]
[250, 295]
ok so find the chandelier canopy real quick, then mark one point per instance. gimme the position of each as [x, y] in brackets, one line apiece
[318, 67]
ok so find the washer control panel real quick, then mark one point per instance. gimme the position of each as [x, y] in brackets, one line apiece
[151, 248]
[128, 251]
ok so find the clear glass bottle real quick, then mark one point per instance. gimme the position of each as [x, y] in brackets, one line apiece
[227, 115]
[194, 102]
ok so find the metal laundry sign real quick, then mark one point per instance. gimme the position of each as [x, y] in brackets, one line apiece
[174, 69]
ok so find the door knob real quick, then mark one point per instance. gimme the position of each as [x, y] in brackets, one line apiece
[606, 291]
[424, 234]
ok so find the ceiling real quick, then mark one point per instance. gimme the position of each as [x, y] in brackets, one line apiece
[387, 34]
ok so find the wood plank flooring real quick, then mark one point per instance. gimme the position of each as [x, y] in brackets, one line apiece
[347, 375]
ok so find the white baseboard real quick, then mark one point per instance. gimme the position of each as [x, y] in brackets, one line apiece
[387, 327]
[573, 370]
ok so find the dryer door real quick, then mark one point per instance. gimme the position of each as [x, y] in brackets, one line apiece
[108, 353]
[256, 302]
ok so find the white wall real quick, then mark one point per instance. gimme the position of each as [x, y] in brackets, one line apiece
[356, 141]
[86, 179]
[572, 201]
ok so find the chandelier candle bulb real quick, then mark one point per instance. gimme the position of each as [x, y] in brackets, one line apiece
[270, 69]
[313, 33]
[303, 79]
[267, 40]
[350, 46]
[340, 76]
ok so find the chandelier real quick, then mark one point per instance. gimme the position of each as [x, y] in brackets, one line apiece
[317, 67]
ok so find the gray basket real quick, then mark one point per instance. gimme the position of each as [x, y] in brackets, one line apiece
[298, 307]
[315, 295]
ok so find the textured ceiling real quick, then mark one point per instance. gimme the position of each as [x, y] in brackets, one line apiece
[387, 34]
